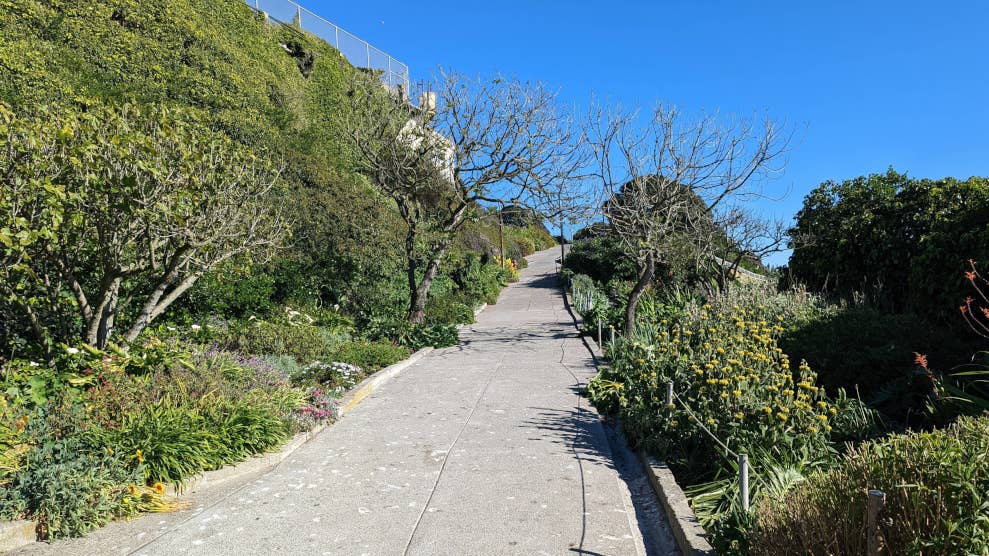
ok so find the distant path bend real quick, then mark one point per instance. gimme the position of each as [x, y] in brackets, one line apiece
[483, 448]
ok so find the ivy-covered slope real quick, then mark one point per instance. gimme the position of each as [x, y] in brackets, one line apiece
[245, 77]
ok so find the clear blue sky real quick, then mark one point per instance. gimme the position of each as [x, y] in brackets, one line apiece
[870, 84]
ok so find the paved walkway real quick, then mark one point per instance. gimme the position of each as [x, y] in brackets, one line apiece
[484, 448]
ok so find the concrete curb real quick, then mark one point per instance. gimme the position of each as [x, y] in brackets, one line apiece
[689, 535]
[371, 383]
[16, 534]
[686, 529]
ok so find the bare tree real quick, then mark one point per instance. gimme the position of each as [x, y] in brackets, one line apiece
[745, 236]
[476, 141]
[670, 174]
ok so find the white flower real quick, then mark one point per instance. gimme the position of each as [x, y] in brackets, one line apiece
[196, 327]
[32, 363]
[293, 313]
[72, 350]
[171, 328]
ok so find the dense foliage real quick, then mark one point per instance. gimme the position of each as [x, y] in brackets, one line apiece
[936, 487]
[192, 268]
[903, 243]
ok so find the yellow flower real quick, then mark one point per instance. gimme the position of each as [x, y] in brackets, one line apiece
[140, 456]
[132, 489]
[823, 418]
[720, 350]
[767, 410]
[739, 415]
[833, 411]
[782, 416]
[812, 429]
[126, 500]
[738, 393]
[159, 488]
[711, 421]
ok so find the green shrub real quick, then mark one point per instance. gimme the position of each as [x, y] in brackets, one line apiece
[176, 440]
[234, 291]
[449, 309]
[68, 484]
[937, 498]
[863, 350]
[416, 337]
[602, 258]
[304, 342]
[370, 356]
[901, 242]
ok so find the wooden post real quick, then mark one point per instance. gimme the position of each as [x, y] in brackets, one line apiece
[877, 499]
[501, 236]
[743, 481]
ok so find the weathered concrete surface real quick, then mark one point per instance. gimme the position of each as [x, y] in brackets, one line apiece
[484, 448]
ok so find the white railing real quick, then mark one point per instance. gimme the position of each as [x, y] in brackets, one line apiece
[358, 52]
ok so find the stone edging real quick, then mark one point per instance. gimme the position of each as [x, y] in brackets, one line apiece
[16, 534]
[689, 535]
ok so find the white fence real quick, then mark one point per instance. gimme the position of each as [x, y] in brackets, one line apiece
[358, 52]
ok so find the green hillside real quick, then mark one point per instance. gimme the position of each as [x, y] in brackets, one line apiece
[277, 90]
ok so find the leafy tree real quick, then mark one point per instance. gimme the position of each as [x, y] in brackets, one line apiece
[901, 242]
[116, 212]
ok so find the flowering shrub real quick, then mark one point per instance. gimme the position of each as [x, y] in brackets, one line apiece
[321, 406]
[336, 376]
[512, 268]
[730, 378]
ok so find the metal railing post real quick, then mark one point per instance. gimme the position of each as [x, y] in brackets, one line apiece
[743, 481]
[669, 393]
[367, 47]
[600, 329]
[298, 16]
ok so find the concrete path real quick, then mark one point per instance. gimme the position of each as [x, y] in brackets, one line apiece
[484, 448]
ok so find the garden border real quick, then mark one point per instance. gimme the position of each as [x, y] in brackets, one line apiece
[20, 533]
[689, 535]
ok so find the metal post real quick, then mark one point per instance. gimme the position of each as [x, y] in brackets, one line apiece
[336, 36]
[877, 499]
[669, 393]
[600, 328]
[257, 5]
[389, 72]
[367, 47]
[298, 16]
[743, 481]
[612, 335]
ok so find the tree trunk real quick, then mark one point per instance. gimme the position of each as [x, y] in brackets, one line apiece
[417, 309]
[411, 269]
[563, 245]
[108, 313]
[645, 277]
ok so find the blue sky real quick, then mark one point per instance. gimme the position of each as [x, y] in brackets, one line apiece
[868, 84]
